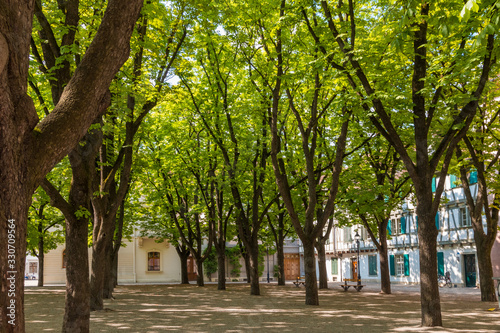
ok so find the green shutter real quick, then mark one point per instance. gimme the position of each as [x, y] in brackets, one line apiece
[403, 225]
[437, 220]
[407, 264]
[440, 263]
[433, 184]
[473, 177]
[392, 265]
[335, 266]
[389, 227]
[453, 179]
[372, 265]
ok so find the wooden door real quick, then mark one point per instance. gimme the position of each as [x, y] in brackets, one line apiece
[292, 266]
[354, 268]
[192, 275]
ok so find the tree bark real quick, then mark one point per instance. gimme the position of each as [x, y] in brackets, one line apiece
[385, 274]
[323, 277]
[41, 259]
[29, 148]
[254, 269]
[430, 302]
[281, 263]
[221, 267]
[200, 280]
[183, 253]
[311, 285]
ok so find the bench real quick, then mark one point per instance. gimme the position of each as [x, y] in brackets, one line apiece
[301, 280]
[350, 283]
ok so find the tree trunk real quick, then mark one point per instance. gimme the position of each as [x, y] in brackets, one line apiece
[107, 288]
[281, 262]
[221, 268]
[429, 289]
[77, 306]
[248, 269]
[200, 281]
[41, 258]
[254, 269]
[385, 274]
[100, 259]
[310, 274]
[323, 276]
[183, 254]
[487, 286]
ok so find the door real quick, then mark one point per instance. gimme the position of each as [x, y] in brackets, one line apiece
[192, 275]
[354, 268]
[292, 266]
[470, 270]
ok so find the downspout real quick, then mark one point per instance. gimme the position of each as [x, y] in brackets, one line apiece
[134, 255]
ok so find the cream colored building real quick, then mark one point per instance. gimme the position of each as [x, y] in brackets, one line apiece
[141, 260]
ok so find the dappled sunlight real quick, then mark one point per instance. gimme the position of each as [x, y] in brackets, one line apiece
[176, 308]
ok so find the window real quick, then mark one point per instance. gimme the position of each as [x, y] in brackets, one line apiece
[347, 234]
[397, 226]
[153, 261]
[335, 266]
[454, 181]
[399, 265]
[464, 217]
[372, 265]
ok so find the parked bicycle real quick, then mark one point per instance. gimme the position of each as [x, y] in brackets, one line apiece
[445, 280]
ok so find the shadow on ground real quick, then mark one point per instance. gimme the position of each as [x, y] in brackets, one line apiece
[161, 308]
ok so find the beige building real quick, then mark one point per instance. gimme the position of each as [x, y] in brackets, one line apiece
[141, 260]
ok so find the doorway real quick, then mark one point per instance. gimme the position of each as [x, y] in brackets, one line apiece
[354, 268]
[192, 275]
[470, 270]
[292, 266]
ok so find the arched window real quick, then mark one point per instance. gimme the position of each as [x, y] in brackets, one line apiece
[153, 261]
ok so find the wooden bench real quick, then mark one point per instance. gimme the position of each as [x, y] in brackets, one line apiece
[301, 280]
[349, 283]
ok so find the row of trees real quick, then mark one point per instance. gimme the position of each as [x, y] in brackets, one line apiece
[278, 112]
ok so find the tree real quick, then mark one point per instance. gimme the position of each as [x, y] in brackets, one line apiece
[435, 67]
[478, 164]
[374, 186]
[44, 233]
[29, 148]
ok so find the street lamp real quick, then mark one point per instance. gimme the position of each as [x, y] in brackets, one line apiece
[356, 238]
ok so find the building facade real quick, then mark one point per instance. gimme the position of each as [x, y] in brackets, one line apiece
[456, 246]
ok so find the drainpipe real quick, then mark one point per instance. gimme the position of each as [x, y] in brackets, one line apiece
[133, 255]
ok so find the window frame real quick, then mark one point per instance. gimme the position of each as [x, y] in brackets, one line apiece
[154, 266]
[461, 212]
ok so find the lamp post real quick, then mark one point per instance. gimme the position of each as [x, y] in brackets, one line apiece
[357, 237]
[267, 250]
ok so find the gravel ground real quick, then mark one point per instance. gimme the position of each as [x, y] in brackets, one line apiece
[176, 308]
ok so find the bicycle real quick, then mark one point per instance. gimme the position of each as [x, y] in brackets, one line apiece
[445, 280]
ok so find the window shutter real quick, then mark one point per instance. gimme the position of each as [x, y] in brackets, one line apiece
[433, 184]
[403, 225]
[407, 264]
[440, 258]
[473, 177]
[389, 227]
[391, 265]
[437, 220]
[453, 179]
[335, 267]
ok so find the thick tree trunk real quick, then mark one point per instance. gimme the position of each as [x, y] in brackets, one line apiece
[77, 306]
[311, 285]
[248, 269]
[13, 214]
[487, 286]
[200, 281]
[281, 262]
[385, 274]
[221, 268]
[429, 290]
[108, 286]
[41, 258]
[323, 276]
[183, 254]
[253, 253]
[100, 259]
